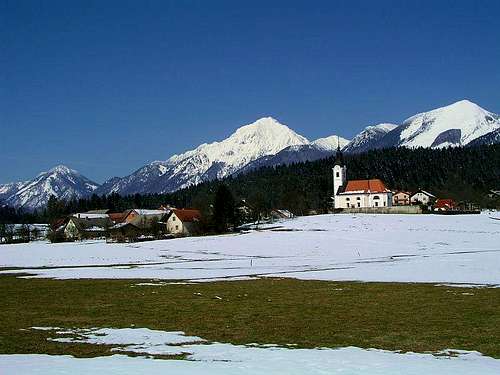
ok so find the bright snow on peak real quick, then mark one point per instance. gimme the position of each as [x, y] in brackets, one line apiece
[265, 136]
[384, 126]
[369, 137]
[330, 143]
[62, 169]
[456, 124]
[60, 181]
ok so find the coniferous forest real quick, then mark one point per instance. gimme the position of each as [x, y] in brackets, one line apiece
[463, 173]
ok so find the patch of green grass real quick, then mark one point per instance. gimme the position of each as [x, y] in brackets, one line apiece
[393, 316]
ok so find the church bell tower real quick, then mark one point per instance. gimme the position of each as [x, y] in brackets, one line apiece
[339, 173]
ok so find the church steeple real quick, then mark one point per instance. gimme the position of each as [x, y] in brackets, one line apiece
[339, 157]
[339, 175]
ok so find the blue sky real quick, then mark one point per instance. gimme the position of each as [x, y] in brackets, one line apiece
[108, 86]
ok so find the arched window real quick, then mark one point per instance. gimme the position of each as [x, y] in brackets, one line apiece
[348, 199]
[376, 197]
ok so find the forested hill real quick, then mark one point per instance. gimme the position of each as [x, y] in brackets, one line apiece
[462, 173]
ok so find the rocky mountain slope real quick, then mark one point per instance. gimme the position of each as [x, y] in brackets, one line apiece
[368, 138]
[319, 149]
[264, 137]
[60, 181]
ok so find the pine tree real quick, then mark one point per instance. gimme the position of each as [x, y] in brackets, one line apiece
[224, 209]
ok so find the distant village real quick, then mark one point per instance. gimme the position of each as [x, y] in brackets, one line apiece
[373, 196]
[167, 222]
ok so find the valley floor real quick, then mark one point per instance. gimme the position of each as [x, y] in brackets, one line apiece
[399, 248]
[214, 304]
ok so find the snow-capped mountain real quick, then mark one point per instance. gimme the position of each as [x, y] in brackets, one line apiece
[368, 138]
[61, 181]
[321, 148]
[330, 143]
[263, 143]
[264, 137]
[7, 190]
[454, 125]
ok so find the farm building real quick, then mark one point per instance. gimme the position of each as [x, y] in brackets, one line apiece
[444, 205]
[401, 198]
[183, 221]
[86, 227]
[422, 197]
[144, 218]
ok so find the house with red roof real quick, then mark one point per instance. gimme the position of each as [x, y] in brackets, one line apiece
[369, 193]
[183, 222]
[444, 204]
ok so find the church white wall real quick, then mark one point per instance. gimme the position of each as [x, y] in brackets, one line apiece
[363, 200]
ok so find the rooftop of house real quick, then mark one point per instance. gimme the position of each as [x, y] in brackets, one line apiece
[424, 192]
[187, 215]
[445, 203]
[146, 212]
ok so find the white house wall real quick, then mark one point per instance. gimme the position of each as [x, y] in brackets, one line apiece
[420, 197]
[174, 225]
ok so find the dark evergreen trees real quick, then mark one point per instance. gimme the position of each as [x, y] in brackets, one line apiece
[224, 209]
[461, 173]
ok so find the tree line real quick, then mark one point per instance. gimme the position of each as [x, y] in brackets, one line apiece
[460, 173]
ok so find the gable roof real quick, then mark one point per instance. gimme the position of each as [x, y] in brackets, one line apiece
[118, 217]
[374, 185]
[424, 192]
[90, 224]
[187, 215]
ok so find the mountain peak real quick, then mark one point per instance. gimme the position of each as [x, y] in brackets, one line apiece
[453, 125]
[61, 169]
[266, 127]
[60, 181]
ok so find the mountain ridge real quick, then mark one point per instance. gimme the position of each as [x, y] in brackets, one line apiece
[265, 142]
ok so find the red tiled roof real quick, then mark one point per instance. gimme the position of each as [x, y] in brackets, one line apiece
[118, 217]
[366, 186]
[445, 203]
[187, 215]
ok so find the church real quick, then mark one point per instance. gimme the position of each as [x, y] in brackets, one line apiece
[357, 193]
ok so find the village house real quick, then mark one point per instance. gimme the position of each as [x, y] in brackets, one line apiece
[86, 226]
[183, 222]
[124, 231]
[144, 218]
[370, 193]
[444, 205]
[401, 198]
[422, 197]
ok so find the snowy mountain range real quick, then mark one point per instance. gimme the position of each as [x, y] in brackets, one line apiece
[265, 142]
[61, 182]
[264, 137]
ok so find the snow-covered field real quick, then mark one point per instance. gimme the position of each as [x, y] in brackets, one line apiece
[217, 358]
[406, 248]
